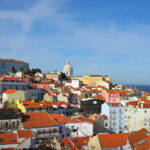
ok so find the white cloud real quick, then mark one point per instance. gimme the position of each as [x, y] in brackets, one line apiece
[106, 47]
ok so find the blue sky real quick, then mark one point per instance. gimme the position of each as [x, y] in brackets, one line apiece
[108, 37]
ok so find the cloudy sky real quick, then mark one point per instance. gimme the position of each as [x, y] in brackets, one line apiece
[108, 37]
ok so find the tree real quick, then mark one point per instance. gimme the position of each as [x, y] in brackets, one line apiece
[22, 69]
[27, 71]
[33, 71]
[13, 69]
[38, 70]
[63, 76]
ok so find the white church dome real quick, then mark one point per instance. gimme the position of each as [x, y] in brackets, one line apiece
[68, 70]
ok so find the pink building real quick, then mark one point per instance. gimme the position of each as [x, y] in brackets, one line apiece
[111, 95]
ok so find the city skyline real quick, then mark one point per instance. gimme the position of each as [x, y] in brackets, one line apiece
[98, 37]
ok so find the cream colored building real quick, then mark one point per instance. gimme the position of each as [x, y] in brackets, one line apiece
[106, 84]
[11, 95]
[54, 75]
[47, 97]
[94, 143]
[137, 115]
[77, 78]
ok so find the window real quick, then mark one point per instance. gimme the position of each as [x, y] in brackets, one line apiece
[6, 124]
[55, 130]
[14, 140]
[1, 140]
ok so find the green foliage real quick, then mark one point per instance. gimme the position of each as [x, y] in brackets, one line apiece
[38, 70]
[30, 72]
[26, 71]
[13, 69]
[22, 69]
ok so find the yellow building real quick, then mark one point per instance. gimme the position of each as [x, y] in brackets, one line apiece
[17, 106]
[92, 79]
[77, 78]
[11, 95]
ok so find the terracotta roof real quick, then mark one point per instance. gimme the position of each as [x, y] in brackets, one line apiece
[14, 79]
[140, 104]
[144, 144]
[7, 110]
[83, 119]
[113, 140]
[37, 104]
[60, 119]
[74, 143]
[99, 97]
[114, 104]
[8, 138]
[10, 91]
[110, 91]
[13, 60]
[137, 137]
[95, 75]
[60, 103]
[25, 133]
[37, 119]
[80, 141]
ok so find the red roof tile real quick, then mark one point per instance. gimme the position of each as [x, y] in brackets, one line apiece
[113, 140]
[25, 133]
[83, 119]
[136, 137]
[10, 91]
[38, 119]
[8, 138]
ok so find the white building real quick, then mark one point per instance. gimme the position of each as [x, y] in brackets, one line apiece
[43, 126]
[73, 127]
[137, 115]
[76, 83]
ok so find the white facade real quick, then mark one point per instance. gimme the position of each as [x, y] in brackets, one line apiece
[45, 133]
[137, 118]
[104, 83]
[76, 83]
[79, 129]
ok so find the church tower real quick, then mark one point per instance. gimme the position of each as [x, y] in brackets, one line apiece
[68, 70]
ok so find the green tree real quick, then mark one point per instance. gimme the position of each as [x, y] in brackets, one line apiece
[22, 69]
[13, 69]
[38, 70]
[27, 71]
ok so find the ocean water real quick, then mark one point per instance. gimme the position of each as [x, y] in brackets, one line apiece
[145, 88]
